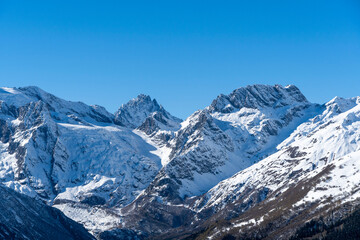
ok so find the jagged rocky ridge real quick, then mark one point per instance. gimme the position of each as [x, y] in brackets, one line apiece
[142, 173]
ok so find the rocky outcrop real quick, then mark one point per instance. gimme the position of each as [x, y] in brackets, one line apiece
[23, 217]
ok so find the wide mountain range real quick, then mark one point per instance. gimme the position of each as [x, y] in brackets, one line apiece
[259, 163]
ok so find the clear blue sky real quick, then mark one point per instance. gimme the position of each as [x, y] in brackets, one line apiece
[183, 53]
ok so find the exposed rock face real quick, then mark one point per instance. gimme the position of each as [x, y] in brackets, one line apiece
[256, 97]
[23, 217]
[158, 121]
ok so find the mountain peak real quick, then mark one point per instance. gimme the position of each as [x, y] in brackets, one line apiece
[133, 113]
[258, 96]
[344, 103]
[143, 97]
[24, 95]
[142, 100]
[338, 105]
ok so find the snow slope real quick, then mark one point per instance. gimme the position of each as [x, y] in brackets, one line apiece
[332, 137]
[316, 166]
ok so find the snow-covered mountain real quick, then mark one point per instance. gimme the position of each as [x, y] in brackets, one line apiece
[142, 172]
[68, 153]
[233, 133]
[316, 169]
[219, 141]
[332, 138]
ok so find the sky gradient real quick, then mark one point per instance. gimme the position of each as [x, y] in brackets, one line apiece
[183, 53]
